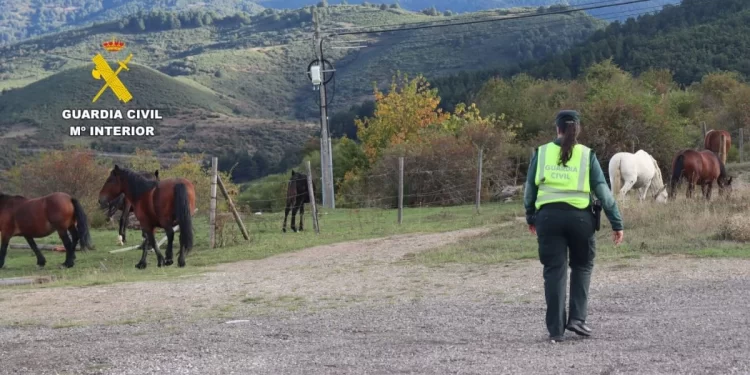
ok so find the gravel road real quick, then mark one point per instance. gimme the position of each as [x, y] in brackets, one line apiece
[363, 307]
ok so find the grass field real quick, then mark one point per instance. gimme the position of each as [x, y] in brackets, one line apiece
[101, 267]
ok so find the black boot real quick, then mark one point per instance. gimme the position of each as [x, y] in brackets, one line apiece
[579, 327]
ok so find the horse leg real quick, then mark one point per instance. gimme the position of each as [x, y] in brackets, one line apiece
[710, 187]
[301, 215]
[74, 236]
[142, 263]
[644, 190]
[286, 213]
[294, 214]
[159, 256]
[170, 238]
[70, 251]
[40, 261]
[626, 188]
[4, 248]
[123, 225]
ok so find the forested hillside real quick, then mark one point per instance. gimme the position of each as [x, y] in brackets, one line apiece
[20, 19]
[435, 7]
[692, 39]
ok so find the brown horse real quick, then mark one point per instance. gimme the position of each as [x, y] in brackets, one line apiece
[120, 203]
[712, 142]
[702, 168]
[38, 218]
[157, 204]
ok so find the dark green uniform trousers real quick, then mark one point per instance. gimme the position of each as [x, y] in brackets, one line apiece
[561, 227]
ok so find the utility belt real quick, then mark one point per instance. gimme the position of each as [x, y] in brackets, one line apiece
[595, 209]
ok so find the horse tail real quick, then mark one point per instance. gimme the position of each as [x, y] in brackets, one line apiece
[184, 216]
[677, 167]
[82, 225]
[707, 140]
[722, 168]
[615, 176]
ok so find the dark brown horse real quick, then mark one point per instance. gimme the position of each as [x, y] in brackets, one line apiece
[157, 204]
[712, 141]
[40, 217]
[122, 204]
[297, 194]
[702, 168]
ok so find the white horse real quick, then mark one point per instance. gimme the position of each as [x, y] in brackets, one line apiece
[636, 171]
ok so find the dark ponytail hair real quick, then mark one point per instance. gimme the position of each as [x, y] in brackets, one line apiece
[569, 127]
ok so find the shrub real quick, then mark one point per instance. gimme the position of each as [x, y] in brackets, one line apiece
[74, 171]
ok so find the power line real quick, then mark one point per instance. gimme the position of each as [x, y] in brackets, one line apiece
[486, 13]
[411, 41]
[531, 15]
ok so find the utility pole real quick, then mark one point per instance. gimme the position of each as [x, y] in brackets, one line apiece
[326, 161]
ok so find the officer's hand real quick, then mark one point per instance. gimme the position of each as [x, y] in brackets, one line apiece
[532, 229]
[617, 237]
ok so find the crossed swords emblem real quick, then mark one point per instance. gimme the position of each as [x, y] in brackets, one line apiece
[103, 71]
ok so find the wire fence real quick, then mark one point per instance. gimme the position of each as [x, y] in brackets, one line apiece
[447, 197]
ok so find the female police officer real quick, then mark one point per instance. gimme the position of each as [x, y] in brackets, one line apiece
[561, 176]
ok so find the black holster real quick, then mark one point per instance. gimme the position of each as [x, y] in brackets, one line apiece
[597, 211]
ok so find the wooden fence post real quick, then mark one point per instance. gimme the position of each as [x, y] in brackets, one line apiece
[212, 211]
[479, 178]
[723, 149]
[400, 189]
[236, 214]
[742, 146]
[704, 131]
[312, 198]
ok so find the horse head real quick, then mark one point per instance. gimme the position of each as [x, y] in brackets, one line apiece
[662, 196]
[112, 188]
[725, 186]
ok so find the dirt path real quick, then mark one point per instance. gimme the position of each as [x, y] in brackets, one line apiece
[325, 276]
[330, 276]
[358, 307]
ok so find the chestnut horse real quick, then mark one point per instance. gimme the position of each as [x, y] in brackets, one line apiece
[38, 218]
[702, 168]
[120, 203]
[157, 204]
[712, 141]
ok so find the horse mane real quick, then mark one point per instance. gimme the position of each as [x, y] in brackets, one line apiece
[658, 172]
[8, 198]
[137, 184]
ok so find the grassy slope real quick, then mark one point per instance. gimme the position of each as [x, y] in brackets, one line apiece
[435, 52]
[259, 68]
[264, 64]
[150, 89]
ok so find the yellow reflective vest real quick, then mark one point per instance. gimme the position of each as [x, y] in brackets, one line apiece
[558, 183]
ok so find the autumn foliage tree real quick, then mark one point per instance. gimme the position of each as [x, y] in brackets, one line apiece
[408, 107]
